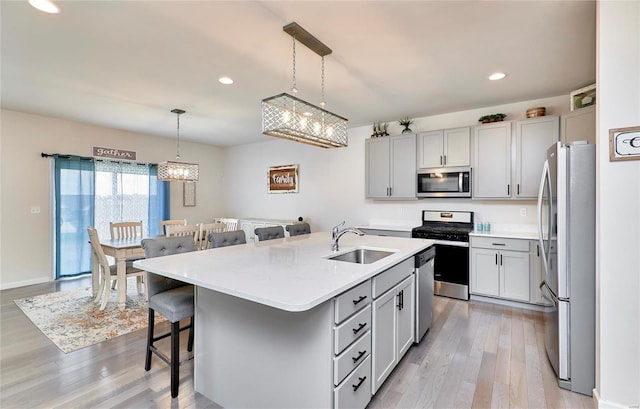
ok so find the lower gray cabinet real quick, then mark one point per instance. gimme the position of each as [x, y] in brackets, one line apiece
[393, 329]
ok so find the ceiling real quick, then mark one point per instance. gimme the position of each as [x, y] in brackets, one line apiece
[126, 64]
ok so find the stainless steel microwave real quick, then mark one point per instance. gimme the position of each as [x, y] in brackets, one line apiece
[444, 182]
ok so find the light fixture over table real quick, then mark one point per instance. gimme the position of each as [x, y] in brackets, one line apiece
[178, 171]
[289, 117]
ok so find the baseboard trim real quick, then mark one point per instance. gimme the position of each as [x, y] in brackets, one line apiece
[603, 404]
[508, 303]
[16, 284]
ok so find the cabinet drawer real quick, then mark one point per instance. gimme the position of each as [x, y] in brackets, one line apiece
[352, 301]
[351, 329]
[387, 279]
[498, 243]
[353, 356]
[355, 391]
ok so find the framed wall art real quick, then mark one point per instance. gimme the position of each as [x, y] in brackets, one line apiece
[283, 179]
[188, 194]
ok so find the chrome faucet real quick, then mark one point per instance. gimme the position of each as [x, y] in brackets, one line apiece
[336, 233]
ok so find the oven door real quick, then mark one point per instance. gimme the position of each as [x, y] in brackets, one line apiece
[451, 269]
[446, 182]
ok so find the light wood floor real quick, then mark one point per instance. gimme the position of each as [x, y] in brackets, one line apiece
[475, 355]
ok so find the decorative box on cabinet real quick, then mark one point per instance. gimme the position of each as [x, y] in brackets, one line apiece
[500, 268]
[446, 148]
[391, 167]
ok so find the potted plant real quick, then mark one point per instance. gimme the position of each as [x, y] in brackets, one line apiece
[492, 118]
[406, 122]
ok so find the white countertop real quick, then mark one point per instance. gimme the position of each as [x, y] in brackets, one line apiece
[291, 274]
[525, 235]
[388, 227]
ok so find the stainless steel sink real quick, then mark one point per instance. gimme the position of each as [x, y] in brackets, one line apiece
[362, 256]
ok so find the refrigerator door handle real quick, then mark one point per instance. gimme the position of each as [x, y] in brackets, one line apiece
[543, 181]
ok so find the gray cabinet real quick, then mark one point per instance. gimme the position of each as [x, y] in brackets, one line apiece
[579, 125]
[507, 167]
[536, 272]
[533, 137]
[393, 310]
[492, 160]
[500, 268]
[449, 147]
[391, 167]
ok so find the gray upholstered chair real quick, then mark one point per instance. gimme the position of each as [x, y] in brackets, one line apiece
[227, 238]
[298, 229]
[171, 298]
[269, 233]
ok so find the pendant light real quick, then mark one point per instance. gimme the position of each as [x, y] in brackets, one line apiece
[289, 117]
[178, 171]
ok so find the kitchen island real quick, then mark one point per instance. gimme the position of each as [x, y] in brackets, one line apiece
[268, 319]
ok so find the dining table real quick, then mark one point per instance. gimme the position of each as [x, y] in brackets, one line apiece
[121, 250]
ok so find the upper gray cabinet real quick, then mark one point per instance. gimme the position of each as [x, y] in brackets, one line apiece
[533, 137]
[492, 160]
[449, 147]
[579, 125]
[509, 167]
[391, 167]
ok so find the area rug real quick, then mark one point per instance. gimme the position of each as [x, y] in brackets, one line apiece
[71, 320]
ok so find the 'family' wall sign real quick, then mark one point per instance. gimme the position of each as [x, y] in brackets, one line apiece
[283, 179]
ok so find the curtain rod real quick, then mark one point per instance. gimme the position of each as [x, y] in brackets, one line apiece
[88, 158]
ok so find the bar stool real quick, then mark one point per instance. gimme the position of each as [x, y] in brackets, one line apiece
[298, 229]
[227, 238]
[172, 299]
[269, 233]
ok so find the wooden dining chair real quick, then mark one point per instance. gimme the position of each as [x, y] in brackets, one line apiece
[232, 224]
[107, 273]
[205, 230]
[173, 222]
[192, 230]
[128, 230]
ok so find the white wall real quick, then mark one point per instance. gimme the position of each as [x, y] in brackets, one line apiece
[618, 209]
[332, 181]
[25, 251]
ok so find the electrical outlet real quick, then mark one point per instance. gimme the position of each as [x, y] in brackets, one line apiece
[35, 209]
[523, 211]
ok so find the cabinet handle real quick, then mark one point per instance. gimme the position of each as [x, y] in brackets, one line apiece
[440, 159]
[360, 355]
[500, 259]
[362, 297]
[361, 379]
[496, 259]
[356, 330]
[538, 250]
[508, 190]
[390, 191]
[445, 160]
[518, 189]
[498, 244]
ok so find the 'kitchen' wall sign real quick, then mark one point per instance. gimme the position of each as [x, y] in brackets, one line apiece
[283, 179]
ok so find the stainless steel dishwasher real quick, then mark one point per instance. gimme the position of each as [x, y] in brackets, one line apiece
[424, 291]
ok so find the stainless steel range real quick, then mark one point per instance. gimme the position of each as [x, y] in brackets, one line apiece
[450, 230]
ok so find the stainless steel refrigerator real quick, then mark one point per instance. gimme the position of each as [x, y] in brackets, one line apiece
[566, 227]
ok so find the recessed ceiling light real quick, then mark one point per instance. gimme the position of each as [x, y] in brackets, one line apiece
[45, 5]
[225, 80]
[497, 76]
